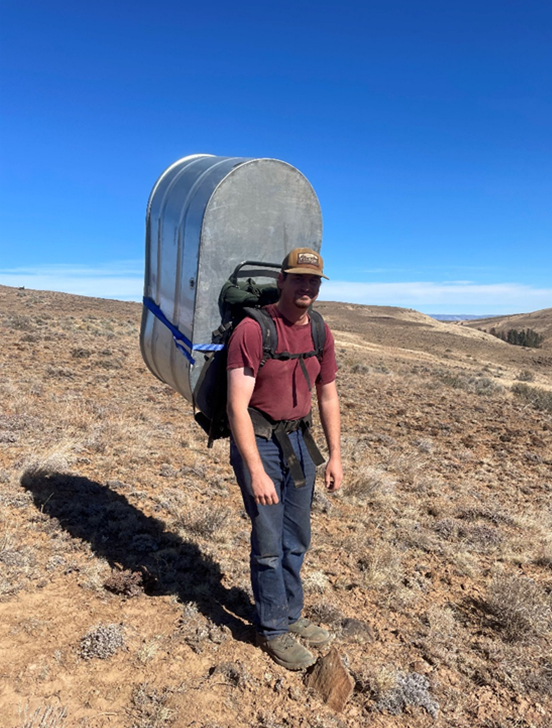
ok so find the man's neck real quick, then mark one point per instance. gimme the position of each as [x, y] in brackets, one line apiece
[293, 314]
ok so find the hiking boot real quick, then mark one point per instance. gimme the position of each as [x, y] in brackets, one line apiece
[285, 651]
[311, 633]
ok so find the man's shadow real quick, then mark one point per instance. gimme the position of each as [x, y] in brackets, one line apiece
[128, 539]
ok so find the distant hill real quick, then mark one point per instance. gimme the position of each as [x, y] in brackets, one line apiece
[393, 328]
[456, 316]
[539, 321]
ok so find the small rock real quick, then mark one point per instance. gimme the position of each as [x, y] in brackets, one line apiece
[331, 680]
[355, 630]
[295, 694]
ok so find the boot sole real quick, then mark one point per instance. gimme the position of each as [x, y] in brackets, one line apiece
[291, 666]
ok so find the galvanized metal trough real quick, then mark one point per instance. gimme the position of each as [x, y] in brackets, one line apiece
[205, 216]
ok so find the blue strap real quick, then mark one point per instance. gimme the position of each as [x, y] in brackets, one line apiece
[178, 336]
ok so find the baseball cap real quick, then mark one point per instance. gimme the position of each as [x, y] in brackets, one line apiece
[304, 261]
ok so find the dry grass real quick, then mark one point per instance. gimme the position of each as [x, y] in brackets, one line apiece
[368, 482]
[46, 716]
[521, 608]
[150, 707]
[114, 511]
[540, 398]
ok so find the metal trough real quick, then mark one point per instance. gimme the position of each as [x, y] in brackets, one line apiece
[205, 216]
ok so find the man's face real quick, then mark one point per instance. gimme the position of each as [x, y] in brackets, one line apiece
[298, 289]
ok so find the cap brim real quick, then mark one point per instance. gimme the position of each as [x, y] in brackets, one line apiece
[306, 272]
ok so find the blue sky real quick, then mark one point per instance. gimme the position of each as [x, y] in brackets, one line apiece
[423, 126]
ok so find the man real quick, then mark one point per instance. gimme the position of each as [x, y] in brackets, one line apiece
[278, 509]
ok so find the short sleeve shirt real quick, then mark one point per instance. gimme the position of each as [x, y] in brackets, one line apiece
[281, 388]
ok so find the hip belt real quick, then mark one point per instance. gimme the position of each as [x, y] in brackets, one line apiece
[264, 426]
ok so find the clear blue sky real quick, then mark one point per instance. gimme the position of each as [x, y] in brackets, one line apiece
[424, 127]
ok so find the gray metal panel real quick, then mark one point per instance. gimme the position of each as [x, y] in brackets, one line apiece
[173, 227]
[205, 215]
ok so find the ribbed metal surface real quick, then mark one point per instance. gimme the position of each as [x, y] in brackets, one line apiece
[205, 215]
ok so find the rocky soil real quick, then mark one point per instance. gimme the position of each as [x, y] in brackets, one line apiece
[124, 593]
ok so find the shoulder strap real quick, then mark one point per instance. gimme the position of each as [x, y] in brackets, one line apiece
[270, 335]
[318, 330]
[268, 331]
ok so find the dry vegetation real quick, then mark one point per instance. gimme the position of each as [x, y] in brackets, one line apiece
[124, 591]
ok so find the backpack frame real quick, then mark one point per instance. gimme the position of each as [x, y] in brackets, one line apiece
[211, 393]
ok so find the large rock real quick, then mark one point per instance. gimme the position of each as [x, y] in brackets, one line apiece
[331, 680]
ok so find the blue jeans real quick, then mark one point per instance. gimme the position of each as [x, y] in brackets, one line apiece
[280, 534]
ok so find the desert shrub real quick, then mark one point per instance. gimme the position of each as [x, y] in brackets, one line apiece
[425, 445]
[472, 513]
[233, 673]
[366, 481]
[409, 689]
[525, 376]
[439, 641]
[476, 384]
[380, 567]
[544, 555]
[206, 522]
[125, 582]
[102, 641]
[46, 716]
[20, 322]
[478, 535]
[80, 353]
[540, 398]
[150, 707]
[316, 582]
[485, 386]
[540, 680]
[110, 364]
[326, 612]
[520, 607]
[60, 372]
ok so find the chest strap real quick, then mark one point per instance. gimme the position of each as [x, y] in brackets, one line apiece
[266, 427]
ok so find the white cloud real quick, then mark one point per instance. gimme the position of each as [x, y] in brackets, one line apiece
[122, 280]
[443, 297]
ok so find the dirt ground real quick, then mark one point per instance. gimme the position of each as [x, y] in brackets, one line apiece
[124, 589]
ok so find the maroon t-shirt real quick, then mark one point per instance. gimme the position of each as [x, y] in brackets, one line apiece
[281, 389]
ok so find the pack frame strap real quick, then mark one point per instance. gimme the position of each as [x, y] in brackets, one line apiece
[238, 273]
[292, 461]
[180, 341]
[286, 356]
[264, 427]
[312, 447]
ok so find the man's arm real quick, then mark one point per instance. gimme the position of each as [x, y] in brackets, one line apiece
[241, 383]
[328, 404]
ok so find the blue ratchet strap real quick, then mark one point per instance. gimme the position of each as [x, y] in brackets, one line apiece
[178, 336]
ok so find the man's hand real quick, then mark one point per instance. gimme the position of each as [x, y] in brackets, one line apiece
[240, 388]
[263, 490]
[328, 404]
[334, 474]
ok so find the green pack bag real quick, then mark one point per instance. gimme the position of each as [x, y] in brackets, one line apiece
[238, 299]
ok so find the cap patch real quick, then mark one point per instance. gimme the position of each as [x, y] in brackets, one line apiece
[307, 259]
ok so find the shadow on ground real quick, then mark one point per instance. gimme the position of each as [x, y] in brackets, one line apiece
[128, 539]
